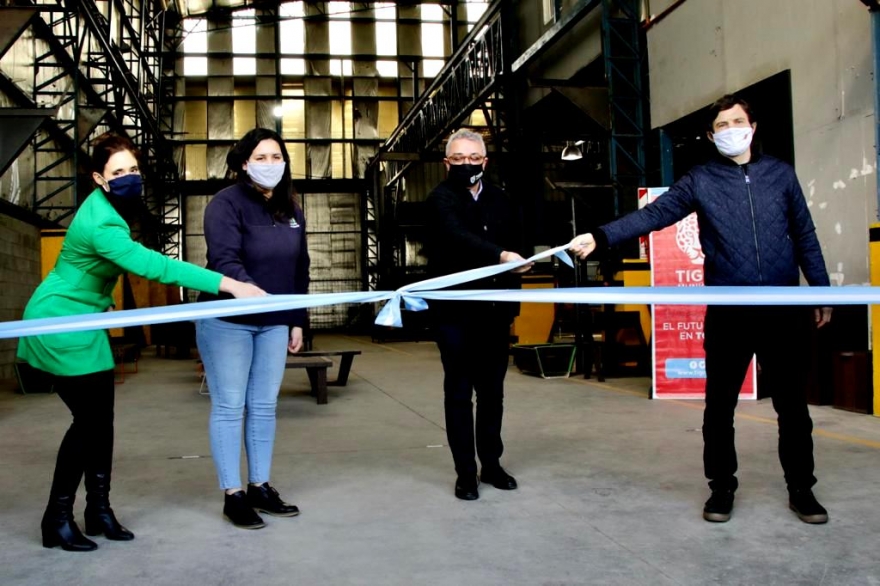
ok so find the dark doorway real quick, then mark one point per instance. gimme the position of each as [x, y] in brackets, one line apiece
[770, 100]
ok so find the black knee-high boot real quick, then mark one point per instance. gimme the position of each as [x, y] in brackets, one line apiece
[88, 444]
[59, 528]
[99, 516]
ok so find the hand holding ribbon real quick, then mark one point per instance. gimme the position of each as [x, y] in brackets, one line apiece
[390, 314]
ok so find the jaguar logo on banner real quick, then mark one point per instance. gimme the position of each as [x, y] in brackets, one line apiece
[679, 359]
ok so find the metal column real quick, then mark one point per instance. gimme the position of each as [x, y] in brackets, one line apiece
[624, 57]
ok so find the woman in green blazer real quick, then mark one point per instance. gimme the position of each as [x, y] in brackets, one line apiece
[97, 249]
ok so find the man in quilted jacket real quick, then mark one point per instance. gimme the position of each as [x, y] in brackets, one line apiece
[755, 229]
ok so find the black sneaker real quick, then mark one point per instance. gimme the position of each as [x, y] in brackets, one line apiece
[266, 499]
[806, 507]
[719, 505]
[240, 513]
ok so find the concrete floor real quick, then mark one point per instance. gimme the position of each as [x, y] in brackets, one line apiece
[611, 488]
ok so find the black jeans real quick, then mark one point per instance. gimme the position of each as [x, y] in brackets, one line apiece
[475, 358]
[780, 337]
[88, 444]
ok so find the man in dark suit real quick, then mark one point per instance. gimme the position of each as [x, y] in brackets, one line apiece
[471, 224]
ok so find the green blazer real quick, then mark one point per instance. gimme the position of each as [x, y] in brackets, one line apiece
[97, 249]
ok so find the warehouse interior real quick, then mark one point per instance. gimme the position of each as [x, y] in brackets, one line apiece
[580, 103]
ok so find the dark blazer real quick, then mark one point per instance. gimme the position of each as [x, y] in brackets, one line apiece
[466, 234]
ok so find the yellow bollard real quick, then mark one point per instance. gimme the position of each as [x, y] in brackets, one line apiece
[874, 247]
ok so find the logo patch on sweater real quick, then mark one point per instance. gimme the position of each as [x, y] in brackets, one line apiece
[293, 223]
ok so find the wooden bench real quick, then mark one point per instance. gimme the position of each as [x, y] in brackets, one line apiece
[347, 357]
[316, 368]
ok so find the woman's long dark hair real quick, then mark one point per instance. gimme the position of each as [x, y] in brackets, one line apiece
[283, 201]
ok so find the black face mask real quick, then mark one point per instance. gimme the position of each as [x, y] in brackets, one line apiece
[132, 209]
[465, 175]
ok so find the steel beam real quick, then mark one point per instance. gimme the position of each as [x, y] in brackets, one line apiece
[571, 17]
[13, 23]
[19, 125]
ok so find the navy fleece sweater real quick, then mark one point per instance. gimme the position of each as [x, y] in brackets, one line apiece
[247, 243]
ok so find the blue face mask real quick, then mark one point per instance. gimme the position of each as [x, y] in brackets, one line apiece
[127, 186]
[266, 175]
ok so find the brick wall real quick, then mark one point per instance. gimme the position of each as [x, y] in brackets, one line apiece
[19, 276]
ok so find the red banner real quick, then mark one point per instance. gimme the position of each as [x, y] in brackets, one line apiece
[679, 359]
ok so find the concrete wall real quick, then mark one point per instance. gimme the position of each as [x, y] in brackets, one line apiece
[19, 276]
[706, 48]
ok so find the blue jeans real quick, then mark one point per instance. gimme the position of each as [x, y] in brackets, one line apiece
[244, 366]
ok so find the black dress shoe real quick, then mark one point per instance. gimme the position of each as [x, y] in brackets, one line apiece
[266, 499]
[498, 478]
[466, 488]
[239, 512]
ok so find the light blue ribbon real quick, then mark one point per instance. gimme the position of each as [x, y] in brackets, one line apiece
[813, 296]
[390, 314]
[415, 294]
[185, 312]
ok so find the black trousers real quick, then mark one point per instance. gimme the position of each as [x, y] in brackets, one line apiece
[87, 446]
[780, 337]
[475, 358]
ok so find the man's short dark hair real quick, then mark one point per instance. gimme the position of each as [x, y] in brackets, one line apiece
[726, 103]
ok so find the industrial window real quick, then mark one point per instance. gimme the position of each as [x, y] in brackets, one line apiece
[244, 42]
[340, 160]
[196, 162]
[293, 127]
[549, 10]
[474, 11]
[432, 39]
[195, 40]
[244, 113]
[340, 36]
[293, 119]
[386, 38]
[341, 125]
[292, 37]
[196, 120]
[388, 113]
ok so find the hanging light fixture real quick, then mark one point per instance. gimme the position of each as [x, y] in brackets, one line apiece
[572, 151]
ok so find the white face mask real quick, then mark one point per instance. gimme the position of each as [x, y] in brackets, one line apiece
[266, 175]
[732, 142]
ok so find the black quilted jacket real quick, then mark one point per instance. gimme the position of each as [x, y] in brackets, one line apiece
[755, 228]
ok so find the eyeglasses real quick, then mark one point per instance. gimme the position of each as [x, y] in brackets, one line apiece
[459, 159]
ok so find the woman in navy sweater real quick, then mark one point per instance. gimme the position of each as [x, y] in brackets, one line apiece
[255, 231]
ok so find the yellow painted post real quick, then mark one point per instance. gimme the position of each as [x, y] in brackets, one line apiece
[534, 324]
[50, 247]
[874, 246]
[637, 273]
